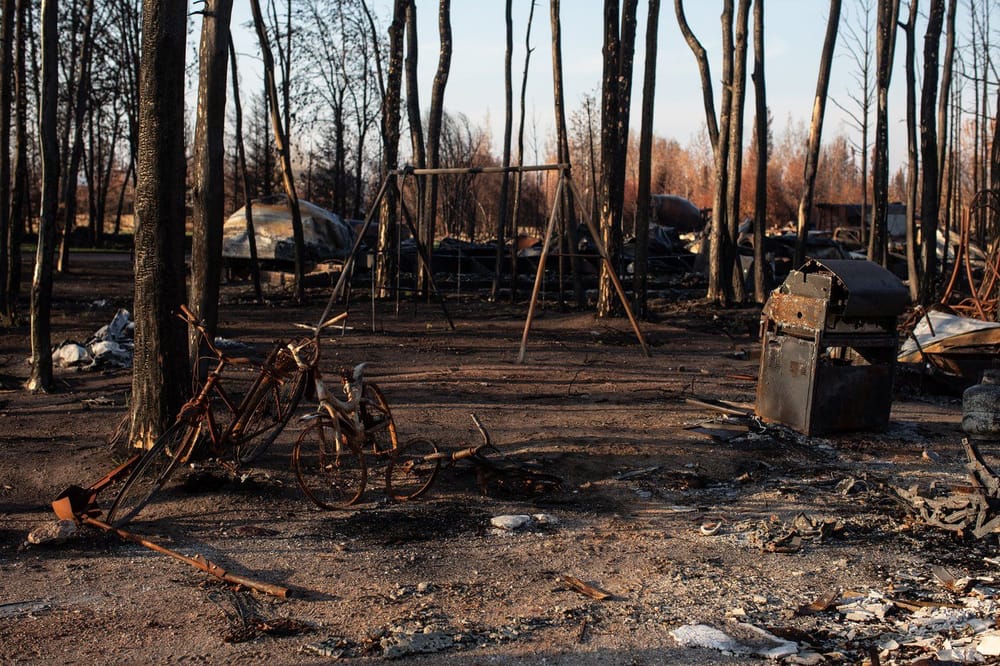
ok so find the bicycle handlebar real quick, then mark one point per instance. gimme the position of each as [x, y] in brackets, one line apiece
[199, 325]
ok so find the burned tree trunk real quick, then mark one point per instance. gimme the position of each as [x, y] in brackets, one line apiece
[385, 267]
[816, 130]
[760, 129]
[734, 180]
[645, 161]
[6, 85]
[885, 45]
[930, 197]
[241, 155]
[284, 149]
[720, 285]
[912, 251]
[41, 287]
[568, 215]
[508, 124]
[616, 95]
[19, 199]
[435, 118]
[209, 187]
[160, 369]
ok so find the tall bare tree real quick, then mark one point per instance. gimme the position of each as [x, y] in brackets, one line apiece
[616, 96]
[942, 116]
[930, 196]
[435, 117]
[734, 169]
[568, 212]
[241, 155]
[6, 89]
[385, 267]
[160, 370]
[912, 166]
[281, 141]
[816, 130]
[645, 159]
[41, 286]
[508, 123]
[19, 200]
[885, 46]
[208, 192]
[760, 131]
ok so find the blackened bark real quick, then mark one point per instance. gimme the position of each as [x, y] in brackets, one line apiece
[208, 191]
[385, 267]
[760, 129]
[41, 286]
[435, 117]
[645, 160]
[816, 131]
[241, 155]
[160, 372]
[885, 46]
[912, 251]
[930, 198]
[508, 124]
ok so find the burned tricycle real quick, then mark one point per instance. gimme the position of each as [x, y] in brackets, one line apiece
[829, 347]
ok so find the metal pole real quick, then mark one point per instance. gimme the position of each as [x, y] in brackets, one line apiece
[541, 271]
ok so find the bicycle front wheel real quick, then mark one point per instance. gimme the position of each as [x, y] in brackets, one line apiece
[265, 415]
[330, 468]
[412, 469]
[380, 429]
[153, 470]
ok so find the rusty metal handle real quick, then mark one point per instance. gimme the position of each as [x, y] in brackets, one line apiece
[198, 561]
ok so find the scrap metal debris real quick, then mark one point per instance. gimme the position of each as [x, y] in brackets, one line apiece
[973, 509]
[110, 347]
[739, 638]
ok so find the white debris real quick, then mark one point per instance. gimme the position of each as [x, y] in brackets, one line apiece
[989, 644]
[52, 532]
[544, 519]
[69, 354]
[510, 522]
[752, 641]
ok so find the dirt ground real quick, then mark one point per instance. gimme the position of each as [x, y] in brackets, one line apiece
[681, 529]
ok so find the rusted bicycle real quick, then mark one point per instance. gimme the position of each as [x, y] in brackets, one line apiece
[235, 433]
[350, 434]
[413, 468]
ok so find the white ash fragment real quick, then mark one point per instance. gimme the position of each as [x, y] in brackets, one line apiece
[510, 522]
[53, 532]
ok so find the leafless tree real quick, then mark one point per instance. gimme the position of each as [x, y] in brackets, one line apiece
[858, 40]
[943, 101]
[734, 169]
[616, 96]
[281, 140]
[816, 130]
[160, 371]
[885, 45]
[930, 196]
[760, 130]
[6, 88]
[208, 191]
[912, 251]
[435, 118]
[645, 159]
[245, 175]
[508, 123]
[568, 214]
[41, 286]
[385, 268]
[19, 200]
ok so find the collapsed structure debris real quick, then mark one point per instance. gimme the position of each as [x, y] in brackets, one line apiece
[956, 345]
[973, 509]
[109, 347]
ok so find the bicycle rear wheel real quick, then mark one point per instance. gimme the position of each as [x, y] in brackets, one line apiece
[271, 405]
[380, 429]
[153, 470]
[330, 468]
[412, 469]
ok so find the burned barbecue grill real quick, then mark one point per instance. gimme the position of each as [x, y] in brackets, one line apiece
[829, 347]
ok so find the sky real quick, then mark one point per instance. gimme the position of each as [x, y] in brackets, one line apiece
[794, 33]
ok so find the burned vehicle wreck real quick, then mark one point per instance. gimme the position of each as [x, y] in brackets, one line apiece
[327, 238]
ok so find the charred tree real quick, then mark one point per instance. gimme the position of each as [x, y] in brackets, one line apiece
[816, 131]
[21, 187]
[284, 149]
[930, 197]
[616, 95]
[912, 250]
[41, 286]
[885, 46]
[160, 370]
[942, 115]
[760, 130]
[241, 156]
[6, 87]
[734, 169]
[568, 215]
[208, 191]
[385, 267]
[645, 160]
[435, 117]
[508, 124]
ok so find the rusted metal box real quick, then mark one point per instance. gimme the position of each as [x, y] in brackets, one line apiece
[829, 347]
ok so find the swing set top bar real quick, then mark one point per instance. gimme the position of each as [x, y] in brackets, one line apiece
[473, 170]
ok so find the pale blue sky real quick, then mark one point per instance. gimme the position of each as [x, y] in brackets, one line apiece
[793, 40]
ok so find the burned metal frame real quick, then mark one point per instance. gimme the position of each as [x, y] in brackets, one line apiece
[398, 178]
[982, 301]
